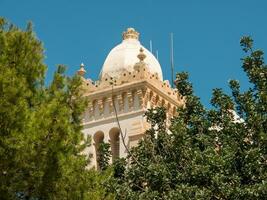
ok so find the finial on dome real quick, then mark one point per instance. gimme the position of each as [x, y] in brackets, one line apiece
[141, 55]
[141, 64]
[130, 34]
[81, 71]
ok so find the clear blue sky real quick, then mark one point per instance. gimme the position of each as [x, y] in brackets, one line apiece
[206, 33]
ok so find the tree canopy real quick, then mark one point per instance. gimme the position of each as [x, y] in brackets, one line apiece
[41, 142]
[219, 153]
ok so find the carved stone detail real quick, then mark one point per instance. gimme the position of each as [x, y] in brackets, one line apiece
[130, 34]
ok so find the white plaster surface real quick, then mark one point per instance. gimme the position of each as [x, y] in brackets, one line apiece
[124, 57]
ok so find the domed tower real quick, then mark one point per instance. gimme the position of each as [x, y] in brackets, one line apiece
[124, 56]
[129, 83]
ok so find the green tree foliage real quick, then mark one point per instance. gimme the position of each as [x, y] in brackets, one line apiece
[104, 155]
[205, 154]
[41, 142]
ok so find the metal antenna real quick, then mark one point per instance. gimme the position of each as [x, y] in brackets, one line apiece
[150, 43]
[172, 61]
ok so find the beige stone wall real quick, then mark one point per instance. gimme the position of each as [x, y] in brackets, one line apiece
[131, 94]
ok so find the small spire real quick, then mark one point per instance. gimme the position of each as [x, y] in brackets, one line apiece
[141, 55]
[81, 71]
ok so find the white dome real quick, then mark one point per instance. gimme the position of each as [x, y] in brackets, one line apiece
[124, 57]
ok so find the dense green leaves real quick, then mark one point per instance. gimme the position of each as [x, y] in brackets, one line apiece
[204, 154]
[41, 143]
[104, 155]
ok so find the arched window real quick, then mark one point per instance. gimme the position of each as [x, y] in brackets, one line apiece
[114, 135]
[98, 139]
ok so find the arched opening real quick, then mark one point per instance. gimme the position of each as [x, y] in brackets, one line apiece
[98, 139]
[114, 135]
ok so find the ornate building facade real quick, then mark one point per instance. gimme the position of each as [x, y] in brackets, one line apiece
[130, 82]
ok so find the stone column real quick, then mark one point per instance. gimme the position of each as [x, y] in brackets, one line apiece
[106, 107]
[125, 102]
[96, 109]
